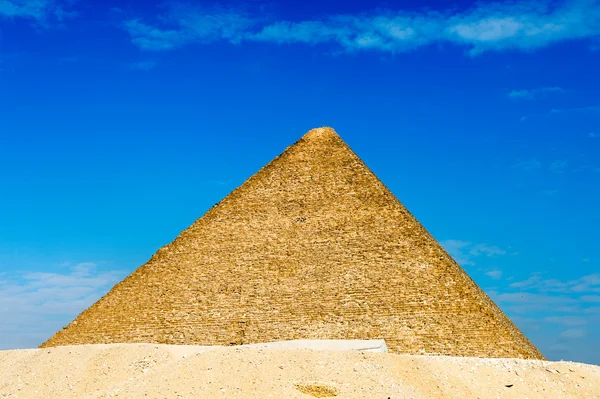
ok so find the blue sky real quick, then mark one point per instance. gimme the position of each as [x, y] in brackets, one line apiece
[122, 122]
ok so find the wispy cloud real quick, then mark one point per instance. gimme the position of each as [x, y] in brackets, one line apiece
[465, 252]
[586, 109]
[496, 274]
[43, 12]
[34, 304]
[458, 250]
[192, 25]
[522, 25]
[147, 37]
[487, 250]
[564, 112]
[559, 315]
[593, 135]
[587, 283]
[573, 333]
[530, 94]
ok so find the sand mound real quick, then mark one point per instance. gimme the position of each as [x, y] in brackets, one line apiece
[168, 371]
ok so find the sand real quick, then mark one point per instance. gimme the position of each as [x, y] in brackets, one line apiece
[170, 371]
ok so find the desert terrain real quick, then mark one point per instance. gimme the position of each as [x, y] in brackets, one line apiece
[174, 371]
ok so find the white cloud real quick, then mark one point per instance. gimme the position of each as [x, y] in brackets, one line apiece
[593, 135]
[464, 252]
[147, 37]
[193, 25]
[586, 284]
[487, 250]
[564, 112]
[496, 274]
[41, 11]
[457, 249]
[530, 94]
[522, 25]
[33, 305]
[586, 109]
[573, 333]
[556, 311]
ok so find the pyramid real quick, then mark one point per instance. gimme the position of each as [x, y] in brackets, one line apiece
[313, 246]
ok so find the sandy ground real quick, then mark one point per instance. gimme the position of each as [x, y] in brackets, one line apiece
[165, 371]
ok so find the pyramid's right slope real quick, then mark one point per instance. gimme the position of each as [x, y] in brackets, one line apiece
[313, 246]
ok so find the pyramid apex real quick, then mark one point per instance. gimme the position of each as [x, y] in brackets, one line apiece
[313, 246]
[320, 133]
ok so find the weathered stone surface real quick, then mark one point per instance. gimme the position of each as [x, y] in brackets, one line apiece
[361, 345]
[313, 246]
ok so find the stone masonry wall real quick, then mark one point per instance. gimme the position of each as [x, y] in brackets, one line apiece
[313, 246]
